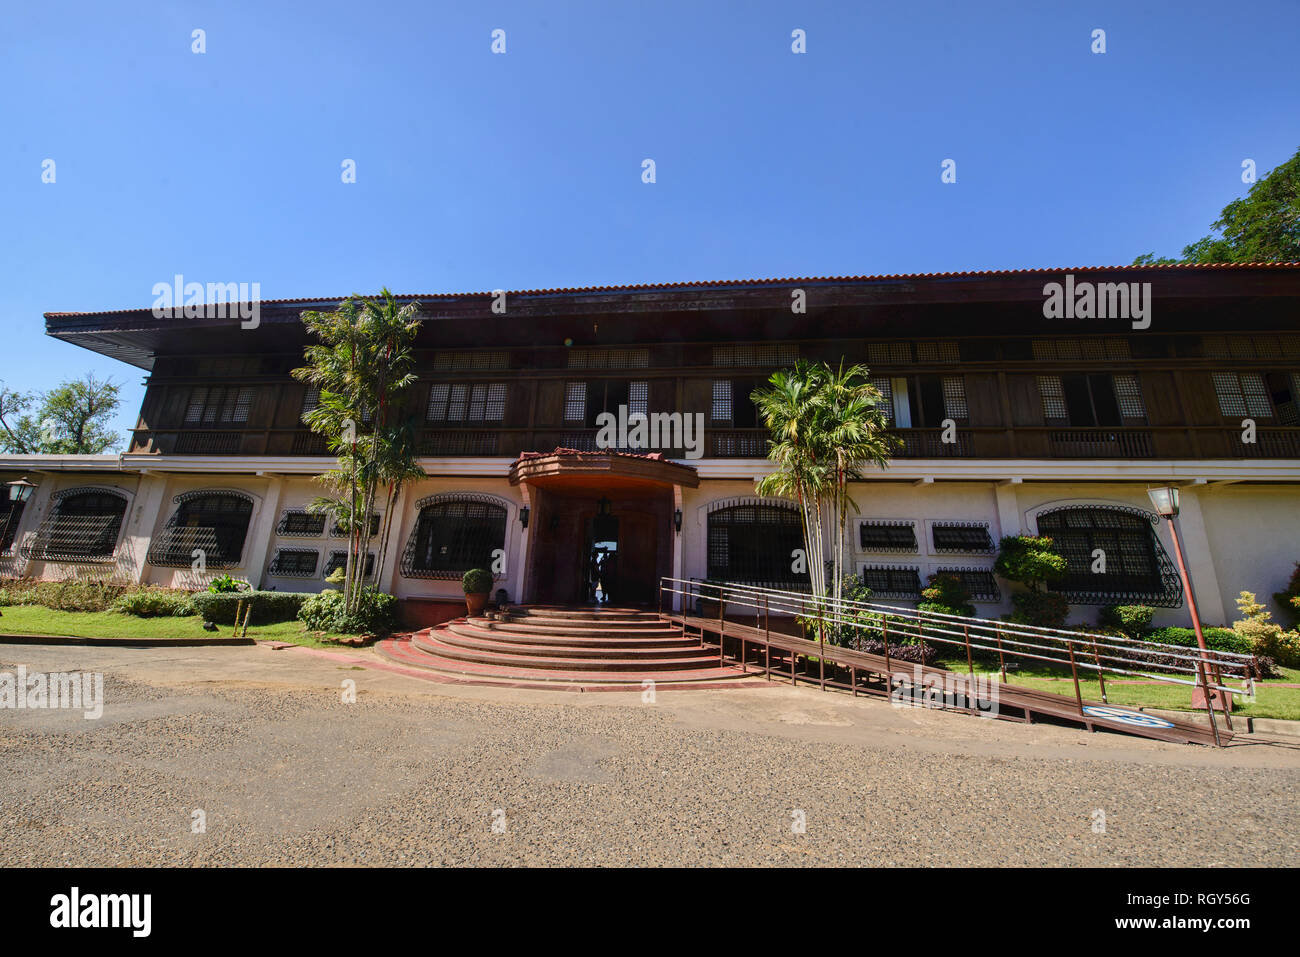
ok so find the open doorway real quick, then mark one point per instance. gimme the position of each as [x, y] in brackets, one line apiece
[602, 577]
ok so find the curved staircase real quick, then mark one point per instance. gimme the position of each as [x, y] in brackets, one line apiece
[571, 648]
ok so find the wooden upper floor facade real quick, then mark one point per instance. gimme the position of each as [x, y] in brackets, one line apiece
[969, 365]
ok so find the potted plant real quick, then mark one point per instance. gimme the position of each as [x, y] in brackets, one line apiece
[477, 583]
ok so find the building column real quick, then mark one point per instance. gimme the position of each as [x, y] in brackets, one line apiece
[1210, 601]
[523, 584]
[677, 546]
[1008, 504]
[387, 577]
[148, 509]
[261, 532]
[30, 521]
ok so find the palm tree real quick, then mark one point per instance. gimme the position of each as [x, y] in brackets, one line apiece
[826, 428]
[362, 363]
[854, 432]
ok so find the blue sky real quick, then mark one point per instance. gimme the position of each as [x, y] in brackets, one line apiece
[477, 171]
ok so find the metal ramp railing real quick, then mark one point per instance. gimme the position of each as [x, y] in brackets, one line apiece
[890, 628]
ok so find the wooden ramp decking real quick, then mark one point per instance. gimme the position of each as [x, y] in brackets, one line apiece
[778, 655]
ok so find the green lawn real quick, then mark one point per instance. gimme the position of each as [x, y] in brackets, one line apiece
[37, 620]
[1270, 701]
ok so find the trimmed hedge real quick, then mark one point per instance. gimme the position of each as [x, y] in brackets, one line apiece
[1129, 620]
[1216, 639]
[268, 606]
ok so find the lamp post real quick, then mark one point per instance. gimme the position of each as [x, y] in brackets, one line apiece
[20, 490]
[1165, 502]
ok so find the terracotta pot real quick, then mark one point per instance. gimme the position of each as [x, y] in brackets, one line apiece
[476, 603]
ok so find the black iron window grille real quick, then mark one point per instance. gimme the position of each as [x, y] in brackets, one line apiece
[83, 527]
[336, 530]
[215, 524]
[11, 515]
[893, 581]
[1121, 544]
[887, 536]
[453, 536]
[978, 581]
[755, 545]
[339, 559]
[301, 524]
[968, 537]
[294, 563]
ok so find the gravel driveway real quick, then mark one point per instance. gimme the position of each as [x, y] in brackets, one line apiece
[285, 772]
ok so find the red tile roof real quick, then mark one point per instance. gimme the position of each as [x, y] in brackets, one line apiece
[726, 283]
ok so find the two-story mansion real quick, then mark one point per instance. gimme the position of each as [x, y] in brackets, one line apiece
[1016, 414]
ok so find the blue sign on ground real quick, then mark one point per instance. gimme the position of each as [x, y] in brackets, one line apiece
[1126, 717]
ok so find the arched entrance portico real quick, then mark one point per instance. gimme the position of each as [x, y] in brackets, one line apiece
[599, 516]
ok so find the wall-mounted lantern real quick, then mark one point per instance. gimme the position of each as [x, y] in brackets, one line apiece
[677, 520]
[523, 516]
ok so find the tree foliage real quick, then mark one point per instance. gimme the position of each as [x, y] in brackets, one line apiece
[1262, 226]
[362, 362]
[70, 419]
[826, 428]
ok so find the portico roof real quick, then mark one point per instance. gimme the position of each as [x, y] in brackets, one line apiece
[612, 469]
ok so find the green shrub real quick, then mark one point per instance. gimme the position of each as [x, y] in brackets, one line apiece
[1289, 597]
[69, 595]
[946, 594]
[376, 613]
[1216, 639]
[1047, 609]
[477, 581]
[224, 584]
[1129, 620]
[156, 603]
[268, 607]
[1029, 560]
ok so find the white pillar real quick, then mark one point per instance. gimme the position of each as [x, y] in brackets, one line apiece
[1008, 503]
[260, 533]
[1215, 607]
[148, 511]
[677, 546]
[396, 539]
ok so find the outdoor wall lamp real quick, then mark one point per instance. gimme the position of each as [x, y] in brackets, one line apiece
[20, 490]
[1164, 500]
[523, 516]
[677, 520]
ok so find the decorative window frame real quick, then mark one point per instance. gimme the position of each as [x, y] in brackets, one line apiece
[993, 597]
[944, 550]
[1171, 595]
[894, 593]
[405, 566]
[181, 498]
[281, 526]
[890, 550]
[314, 552]
[51, 515]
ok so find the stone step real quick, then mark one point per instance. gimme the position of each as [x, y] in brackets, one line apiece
[551, 662]
[583, 614]
[555, 649]
[671, 639]
[404, 652]
[613, 631]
